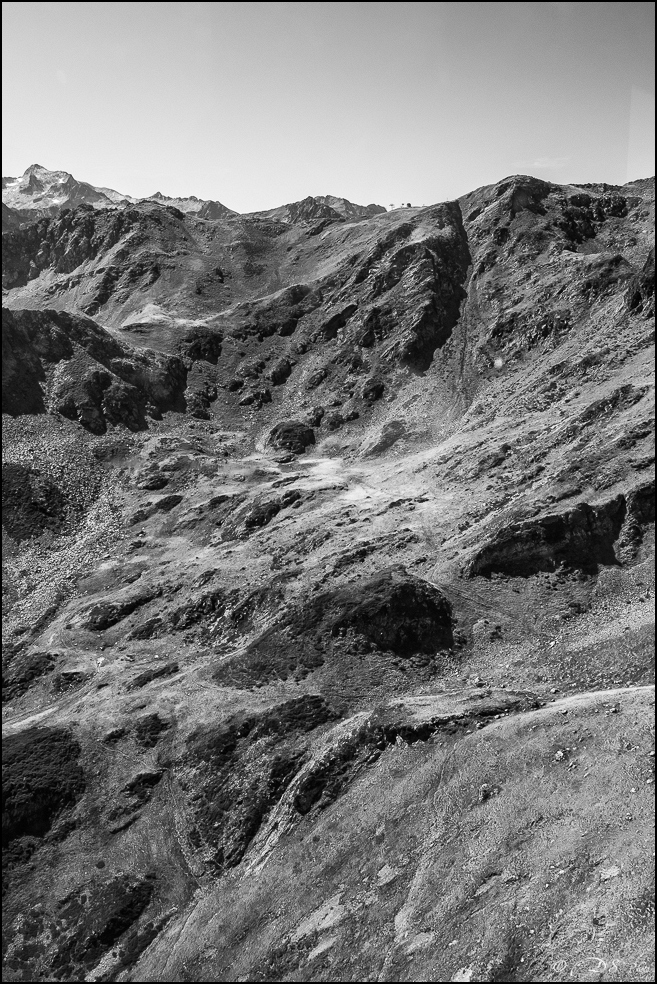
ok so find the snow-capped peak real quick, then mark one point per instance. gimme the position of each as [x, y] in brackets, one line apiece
[46, 192]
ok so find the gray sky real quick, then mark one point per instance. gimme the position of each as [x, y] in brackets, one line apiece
[259, 104]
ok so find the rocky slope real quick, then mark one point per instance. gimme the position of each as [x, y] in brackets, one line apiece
[328, 543]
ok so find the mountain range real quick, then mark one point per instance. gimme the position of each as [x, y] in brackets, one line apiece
[328, 586]
[40, 192]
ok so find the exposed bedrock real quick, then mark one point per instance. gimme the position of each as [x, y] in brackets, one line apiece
[390, 619]
[424, 272]
[640, 513]
[20, 669]
[291, 435]
[67, 363]
[202, 343]
[394, 610]
[581, 538]
[640, 294]
[243, 766]
[254, 772]
[41, 777]
[63, 242]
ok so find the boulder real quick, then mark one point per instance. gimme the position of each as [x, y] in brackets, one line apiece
[291, 435]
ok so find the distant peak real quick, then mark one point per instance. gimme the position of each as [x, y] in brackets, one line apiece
[34, 168]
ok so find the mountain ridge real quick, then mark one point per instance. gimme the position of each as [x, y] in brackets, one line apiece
[39, 192]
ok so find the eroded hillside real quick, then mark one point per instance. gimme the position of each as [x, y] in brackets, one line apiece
[328, 546]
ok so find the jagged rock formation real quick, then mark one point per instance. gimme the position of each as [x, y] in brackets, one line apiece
[328, 543]
[40, 192]
[69, 365]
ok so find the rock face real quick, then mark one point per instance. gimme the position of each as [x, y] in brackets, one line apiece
[291, 435]
[72, 366]
[71, 237]
[393, 610]
[328, 570]
[580, 538]
[41, 777]
[11, 219]
[390, 620]
[239, 778]
[41, 192]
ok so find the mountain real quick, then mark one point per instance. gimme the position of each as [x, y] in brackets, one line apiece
[321, 207]
[347, 209]
[40, 192]
[328, 595]
[194, 206]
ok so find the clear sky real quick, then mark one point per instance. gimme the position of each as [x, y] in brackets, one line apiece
[259, 104]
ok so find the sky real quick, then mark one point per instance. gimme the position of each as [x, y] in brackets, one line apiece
[261, 104]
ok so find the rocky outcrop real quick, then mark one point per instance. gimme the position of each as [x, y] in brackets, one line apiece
[640, 514]
[41, 777]
[419, 274]
[393, 610]
[149, 730]
[336, 322]
[69, 364]
[280, 372]
[640, 294]
[104, 614]
[242, 768]
[62, 243]
[154, 673]
[291, 435]
[11, 218]
[393, 615]
[279, 313]
[202, 343]
[581, 539]
[20, 669]
[97, 921]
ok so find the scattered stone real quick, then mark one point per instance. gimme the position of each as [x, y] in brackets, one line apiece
[386, 875]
